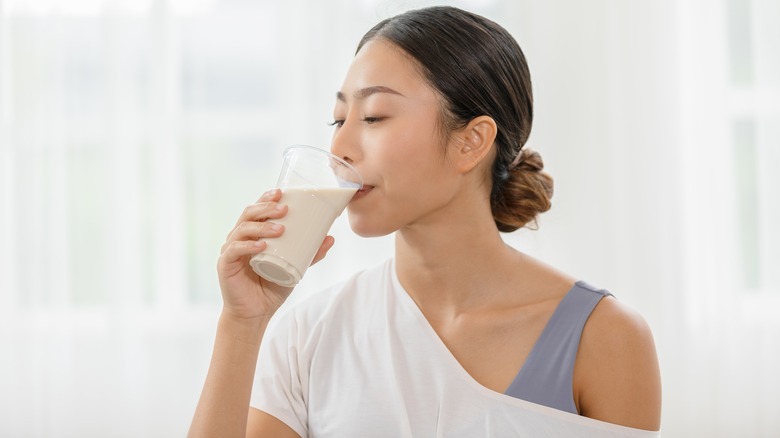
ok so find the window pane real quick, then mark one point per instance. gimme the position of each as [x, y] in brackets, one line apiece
[745, 156]
[740, 44]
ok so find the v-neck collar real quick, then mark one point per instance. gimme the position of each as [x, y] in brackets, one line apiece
[429, 340]
[451, 360]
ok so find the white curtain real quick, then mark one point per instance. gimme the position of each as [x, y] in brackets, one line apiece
[132, 133]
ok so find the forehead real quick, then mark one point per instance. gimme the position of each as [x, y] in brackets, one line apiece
[381, 63]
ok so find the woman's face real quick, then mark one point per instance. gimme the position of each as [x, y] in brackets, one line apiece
[387, 126]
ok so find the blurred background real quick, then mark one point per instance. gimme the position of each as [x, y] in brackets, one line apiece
[134, 132]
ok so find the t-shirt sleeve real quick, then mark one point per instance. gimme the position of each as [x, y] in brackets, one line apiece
[281, 379]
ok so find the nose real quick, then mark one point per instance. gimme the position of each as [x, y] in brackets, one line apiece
[345, 143]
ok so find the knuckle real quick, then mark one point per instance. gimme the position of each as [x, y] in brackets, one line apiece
[258, 212]
[233, 246]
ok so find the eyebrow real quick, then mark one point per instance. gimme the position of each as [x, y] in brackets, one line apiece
[365, 92]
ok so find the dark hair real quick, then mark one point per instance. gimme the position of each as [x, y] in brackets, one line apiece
[478, 69]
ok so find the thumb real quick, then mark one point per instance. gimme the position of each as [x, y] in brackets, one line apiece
[327, 244]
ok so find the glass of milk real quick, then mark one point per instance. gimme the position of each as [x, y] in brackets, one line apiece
[316, 186]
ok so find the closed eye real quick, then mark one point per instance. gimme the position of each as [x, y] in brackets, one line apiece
[369, 120]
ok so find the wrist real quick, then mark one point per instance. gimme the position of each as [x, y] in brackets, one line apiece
[249, 330]
[241, 316]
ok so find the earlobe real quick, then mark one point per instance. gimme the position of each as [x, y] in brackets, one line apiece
[477, 141]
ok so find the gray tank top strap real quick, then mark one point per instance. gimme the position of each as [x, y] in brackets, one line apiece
[547, 374]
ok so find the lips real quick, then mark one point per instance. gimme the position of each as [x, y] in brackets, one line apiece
[363, 191]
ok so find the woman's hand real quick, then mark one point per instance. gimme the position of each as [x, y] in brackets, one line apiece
[245, 294]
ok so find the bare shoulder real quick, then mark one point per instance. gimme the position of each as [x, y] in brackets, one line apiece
[616, 374]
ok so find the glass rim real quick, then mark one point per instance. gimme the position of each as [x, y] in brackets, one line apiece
[328, 154]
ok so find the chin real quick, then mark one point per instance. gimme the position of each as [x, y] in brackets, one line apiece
[364, 227]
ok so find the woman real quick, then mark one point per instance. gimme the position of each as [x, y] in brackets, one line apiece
[458, 334]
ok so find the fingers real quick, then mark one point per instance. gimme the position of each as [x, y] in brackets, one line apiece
[266, 207]
[253, 231]
[246, 237]
[267, 204]
[271, 195]
[235, 251]
[327, 244]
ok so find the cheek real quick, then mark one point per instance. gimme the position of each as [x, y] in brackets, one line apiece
[412, 160]
[423, 131]
[412, 144]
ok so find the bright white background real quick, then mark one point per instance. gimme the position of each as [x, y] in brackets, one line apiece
[133, 133]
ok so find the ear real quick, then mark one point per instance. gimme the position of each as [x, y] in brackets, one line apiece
[475, 141]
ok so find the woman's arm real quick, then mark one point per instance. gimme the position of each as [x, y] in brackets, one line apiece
[616, 375]
[249, 302]
[222, 409]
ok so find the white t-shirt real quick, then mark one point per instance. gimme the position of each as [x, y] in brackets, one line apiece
[360, 360]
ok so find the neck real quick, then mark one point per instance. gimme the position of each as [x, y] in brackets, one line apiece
[455, 265]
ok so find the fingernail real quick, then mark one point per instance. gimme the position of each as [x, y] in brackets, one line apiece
[276, 227]
[258, 243]
[279, 207]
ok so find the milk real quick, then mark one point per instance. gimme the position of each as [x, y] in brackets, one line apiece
[310, 214]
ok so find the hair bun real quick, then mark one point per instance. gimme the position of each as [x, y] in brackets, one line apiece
[525, 194]
[530, 161]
